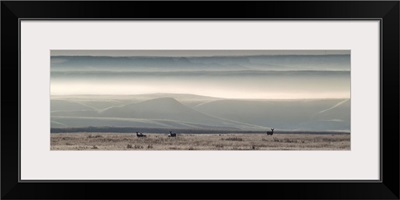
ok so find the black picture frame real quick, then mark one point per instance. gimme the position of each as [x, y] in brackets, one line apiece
[385, 11]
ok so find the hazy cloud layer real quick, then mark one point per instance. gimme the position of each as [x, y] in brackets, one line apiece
[254, 74]
[196, 53]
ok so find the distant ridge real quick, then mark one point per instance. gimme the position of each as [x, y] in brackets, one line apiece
[168, 108]
[216, 56]
[163, 111]
[106, 129]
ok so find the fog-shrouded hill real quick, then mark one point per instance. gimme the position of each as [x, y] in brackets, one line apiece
[316, 114]
[199, 89]
[65, 105]
[172, 111]
[336, 117]
[84, 122]
[103, 102]
[163, 112]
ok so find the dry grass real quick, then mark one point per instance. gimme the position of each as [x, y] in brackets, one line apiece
[119, 141]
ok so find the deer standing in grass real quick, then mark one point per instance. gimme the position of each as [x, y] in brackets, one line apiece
[140, 134]
[270, 132]
[171, 134]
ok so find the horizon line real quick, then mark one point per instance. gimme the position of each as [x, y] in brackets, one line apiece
[220, 98]
[224, 56]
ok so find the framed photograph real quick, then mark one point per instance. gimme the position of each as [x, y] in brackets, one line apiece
[116, 100]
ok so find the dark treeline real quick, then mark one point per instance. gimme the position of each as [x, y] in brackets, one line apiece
[144, 130]
[163, 130]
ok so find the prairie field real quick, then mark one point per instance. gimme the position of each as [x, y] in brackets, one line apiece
[236, 141]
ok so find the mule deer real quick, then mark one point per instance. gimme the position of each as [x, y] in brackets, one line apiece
[140, 134]
[270, 132]
[171, 134]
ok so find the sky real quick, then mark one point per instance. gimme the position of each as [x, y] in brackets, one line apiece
[121, 53]
[232, 74]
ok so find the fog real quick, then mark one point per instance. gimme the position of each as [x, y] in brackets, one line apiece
[232, 76]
